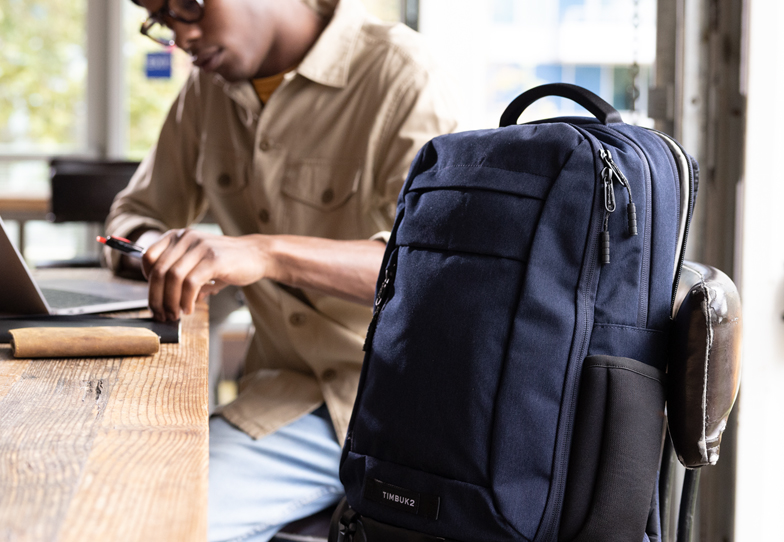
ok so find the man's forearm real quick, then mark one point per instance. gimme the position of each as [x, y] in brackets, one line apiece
[344, 269]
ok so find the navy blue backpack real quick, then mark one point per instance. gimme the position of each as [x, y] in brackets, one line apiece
[512, 388]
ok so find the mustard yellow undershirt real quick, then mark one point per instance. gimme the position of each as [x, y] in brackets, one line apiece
[265, 86]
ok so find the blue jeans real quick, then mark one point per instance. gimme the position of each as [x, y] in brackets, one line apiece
[258, 486]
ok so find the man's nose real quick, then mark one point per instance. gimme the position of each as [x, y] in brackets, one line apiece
[186, 34]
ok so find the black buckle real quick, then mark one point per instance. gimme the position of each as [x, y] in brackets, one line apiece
[347, 526]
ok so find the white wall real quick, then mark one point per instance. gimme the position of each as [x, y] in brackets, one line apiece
[760, 469]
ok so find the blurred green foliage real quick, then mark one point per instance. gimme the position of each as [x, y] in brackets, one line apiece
[42, 72]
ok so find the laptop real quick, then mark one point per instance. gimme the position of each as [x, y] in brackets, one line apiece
[20, 294]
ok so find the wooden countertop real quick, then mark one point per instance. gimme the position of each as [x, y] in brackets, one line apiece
[111, 449]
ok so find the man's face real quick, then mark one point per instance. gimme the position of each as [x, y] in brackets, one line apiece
[233, 38]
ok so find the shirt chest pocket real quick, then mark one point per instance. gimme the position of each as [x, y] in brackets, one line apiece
[321, 198]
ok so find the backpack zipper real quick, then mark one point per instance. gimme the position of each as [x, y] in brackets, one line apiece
[642, 317]
[610, 173]
[689, 212]
[551, 520]
[381, 301]
[551, 526]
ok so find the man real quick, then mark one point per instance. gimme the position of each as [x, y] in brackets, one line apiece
[302, 173]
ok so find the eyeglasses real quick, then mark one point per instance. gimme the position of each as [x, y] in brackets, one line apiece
[158, 28]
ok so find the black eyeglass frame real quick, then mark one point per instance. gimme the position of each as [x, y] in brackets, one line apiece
[160, 16]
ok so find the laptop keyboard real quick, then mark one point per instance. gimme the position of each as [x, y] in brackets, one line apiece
[62, 299]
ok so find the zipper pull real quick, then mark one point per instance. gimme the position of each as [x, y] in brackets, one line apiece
[383, 290]
[604, 241]
[631, 210]
[609, 207]
[609, 193]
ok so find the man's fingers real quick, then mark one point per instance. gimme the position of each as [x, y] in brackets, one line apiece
[194, 269]
[185, 277]
[153, 253]
[181, 266]
[198, 285]
[163, 277]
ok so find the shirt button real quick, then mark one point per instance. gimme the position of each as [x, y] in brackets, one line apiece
[329, 375]
[327, 196]
[264, 145]
[264, 216]
[297, 319]
[224, 180]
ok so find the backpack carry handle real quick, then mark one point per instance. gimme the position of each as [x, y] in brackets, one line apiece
[600, 109]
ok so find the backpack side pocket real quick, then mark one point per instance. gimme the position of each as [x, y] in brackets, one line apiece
[615, 451]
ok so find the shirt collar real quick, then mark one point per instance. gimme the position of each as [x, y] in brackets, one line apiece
[243, 93]
[329, 60]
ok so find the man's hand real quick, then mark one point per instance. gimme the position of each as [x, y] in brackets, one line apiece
[186, 265]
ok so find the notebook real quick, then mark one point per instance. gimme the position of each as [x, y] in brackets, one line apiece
[21, 294]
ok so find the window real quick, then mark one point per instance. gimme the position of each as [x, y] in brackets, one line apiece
[43, 88]
[386, 10]
[503, 11]
[497, 50]
[565, 5]
[43, 74]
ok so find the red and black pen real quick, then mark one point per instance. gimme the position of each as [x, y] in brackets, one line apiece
[123, 245]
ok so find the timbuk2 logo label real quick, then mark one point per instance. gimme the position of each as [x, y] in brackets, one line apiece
[394, 497]
[399, 498]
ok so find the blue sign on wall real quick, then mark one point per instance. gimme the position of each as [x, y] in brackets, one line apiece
[158, 65]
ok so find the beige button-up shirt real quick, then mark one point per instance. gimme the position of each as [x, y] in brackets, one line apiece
[325, 157]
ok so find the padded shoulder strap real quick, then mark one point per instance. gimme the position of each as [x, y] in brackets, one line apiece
[704, 372]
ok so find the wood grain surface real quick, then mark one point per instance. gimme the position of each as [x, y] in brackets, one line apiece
[111, 449]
